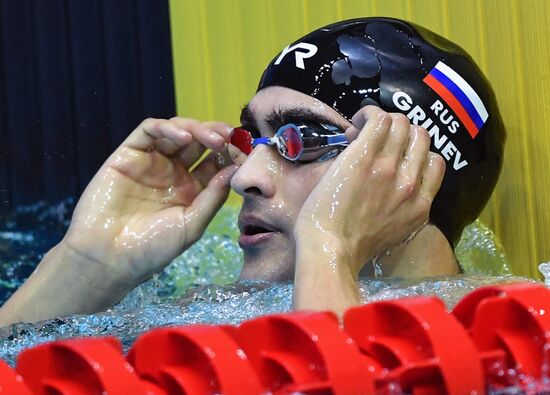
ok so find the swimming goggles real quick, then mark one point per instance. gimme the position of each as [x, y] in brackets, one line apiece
[307, 142]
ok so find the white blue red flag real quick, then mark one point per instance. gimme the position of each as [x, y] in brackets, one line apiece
[459, 95]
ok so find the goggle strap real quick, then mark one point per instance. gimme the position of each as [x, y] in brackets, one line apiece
[262, 140]
[331, 140]
[337, 139]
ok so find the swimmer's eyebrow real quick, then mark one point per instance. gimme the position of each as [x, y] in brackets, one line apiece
[248, 119]
[296, 115]
[289, 115]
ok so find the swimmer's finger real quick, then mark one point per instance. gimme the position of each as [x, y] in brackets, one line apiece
[191, 153]
[166, 147]
[433, 176]
[146, 135]
[205, 135]
[202, 133]
[222, 128]
[351, 133]
[361, 117]
[416, 153]
[398, 138]
[210, 166]
[199, 214]
[375, 125]
[236, 155]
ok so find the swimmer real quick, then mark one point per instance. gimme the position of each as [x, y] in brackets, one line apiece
[333, 163]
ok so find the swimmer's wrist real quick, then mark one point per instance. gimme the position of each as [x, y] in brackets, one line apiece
[92, 278]
[37, 299]
[325, 278]
[324, 253]
[332, 247]
[65, 282]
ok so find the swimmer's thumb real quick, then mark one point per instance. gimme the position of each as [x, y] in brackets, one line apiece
[199, 214]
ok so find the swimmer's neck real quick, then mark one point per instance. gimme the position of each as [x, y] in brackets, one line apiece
[428, 254]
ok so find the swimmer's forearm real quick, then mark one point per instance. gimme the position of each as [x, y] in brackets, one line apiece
[65, 282]
[323, 278]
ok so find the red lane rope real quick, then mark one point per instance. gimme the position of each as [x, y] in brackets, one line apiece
[495, 338]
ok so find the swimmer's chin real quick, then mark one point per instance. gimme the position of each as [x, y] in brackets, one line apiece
[266, 276]
[268, 258]
[272, 268]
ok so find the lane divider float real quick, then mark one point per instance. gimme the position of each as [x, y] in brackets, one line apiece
[496, 338]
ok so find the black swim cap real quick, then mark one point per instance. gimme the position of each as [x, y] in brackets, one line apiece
[405, 68]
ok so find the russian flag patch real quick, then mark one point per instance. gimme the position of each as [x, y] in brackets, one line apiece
[459, 95]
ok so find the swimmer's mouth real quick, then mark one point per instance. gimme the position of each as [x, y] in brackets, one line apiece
[255, 231]
[250, 230]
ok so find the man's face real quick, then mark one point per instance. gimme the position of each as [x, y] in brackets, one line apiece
[274, 189]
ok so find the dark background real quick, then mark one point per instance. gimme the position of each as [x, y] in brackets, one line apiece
[76, 76]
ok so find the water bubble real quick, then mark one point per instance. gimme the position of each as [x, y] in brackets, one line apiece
[480, 252]
[377, 267]
[544, 268]
[198, 287]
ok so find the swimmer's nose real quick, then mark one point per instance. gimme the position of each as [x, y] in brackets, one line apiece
[257, 174]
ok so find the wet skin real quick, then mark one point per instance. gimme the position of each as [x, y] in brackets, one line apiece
[318, 222]
[273, 188]
[323, 221]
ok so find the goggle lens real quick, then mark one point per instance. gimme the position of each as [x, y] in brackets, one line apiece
[293, 144]
[242, 139]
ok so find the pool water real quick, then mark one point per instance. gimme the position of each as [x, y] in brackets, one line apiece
[199, 286]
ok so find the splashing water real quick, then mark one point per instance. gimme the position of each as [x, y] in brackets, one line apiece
[544, 269]
[377, 267]
[216, 304]
[198, 287]
[479, 252]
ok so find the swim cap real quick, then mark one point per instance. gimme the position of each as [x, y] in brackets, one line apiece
[402, 67]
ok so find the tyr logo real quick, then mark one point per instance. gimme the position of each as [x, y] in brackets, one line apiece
[302, 51]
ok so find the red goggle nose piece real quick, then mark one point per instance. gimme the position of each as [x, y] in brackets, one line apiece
[242, 139]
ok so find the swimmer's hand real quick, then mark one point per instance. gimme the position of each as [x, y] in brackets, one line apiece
[148, 203]
[377, 192]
